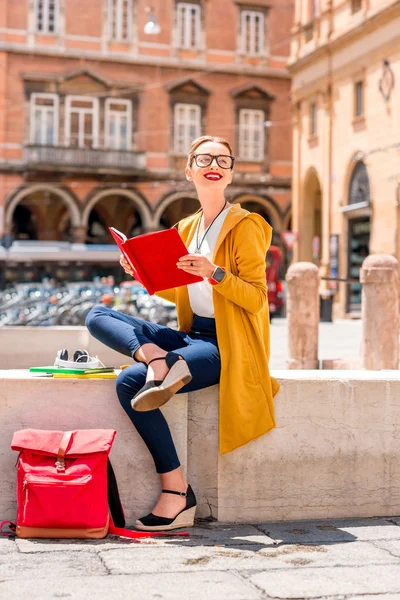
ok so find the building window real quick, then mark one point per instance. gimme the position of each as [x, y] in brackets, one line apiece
[120, 18]
[187, 126]
[118, 124]
[44, 119]
[359, 98]
[313, 118]
[188, 25]
[356, 5]
[251, 134]
[252, 32]
[81, 122]
[46, 16]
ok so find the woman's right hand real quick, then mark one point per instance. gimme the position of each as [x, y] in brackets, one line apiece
[125, 265]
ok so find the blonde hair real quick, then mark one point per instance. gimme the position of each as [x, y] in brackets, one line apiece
[206, 138]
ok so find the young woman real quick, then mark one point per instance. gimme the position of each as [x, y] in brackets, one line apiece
[223, 333]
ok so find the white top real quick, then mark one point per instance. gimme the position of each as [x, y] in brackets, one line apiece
[200, 294]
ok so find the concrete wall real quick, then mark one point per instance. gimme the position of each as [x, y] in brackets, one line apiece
[334, 453]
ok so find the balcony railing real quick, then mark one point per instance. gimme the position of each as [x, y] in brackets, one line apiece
[84, 157]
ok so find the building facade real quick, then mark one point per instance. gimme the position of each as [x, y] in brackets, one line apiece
[97, 116]
[345, 67]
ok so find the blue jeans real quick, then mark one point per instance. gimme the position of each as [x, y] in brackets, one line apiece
[126, 334]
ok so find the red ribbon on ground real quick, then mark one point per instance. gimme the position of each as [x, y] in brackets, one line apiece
[128, 533]
[12, 527]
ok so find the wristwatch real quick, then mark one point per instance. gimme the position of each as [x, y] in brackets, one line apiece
[217, 276]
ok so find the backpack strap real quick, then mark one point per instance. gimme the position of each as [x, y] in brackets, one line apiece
[117, 517]
[114, 501]
[60, 462]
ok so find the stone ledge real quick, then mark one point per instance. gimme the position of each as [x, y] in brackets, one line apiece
[64, 404]
[334, 453]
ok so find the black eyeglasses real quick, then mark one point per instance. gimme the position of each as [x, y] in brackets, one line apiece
[223, 160]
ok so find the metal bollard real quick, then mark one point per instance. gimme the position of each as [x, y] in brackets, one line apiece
[303, 315]
[380, 307]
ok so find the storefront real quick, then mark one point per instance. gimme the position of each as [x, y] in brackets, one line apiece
[358, 233]
[358, 249]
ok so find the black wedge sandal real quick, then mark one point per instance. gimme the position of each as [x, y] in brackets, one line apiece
[185, 518]
[157, 393]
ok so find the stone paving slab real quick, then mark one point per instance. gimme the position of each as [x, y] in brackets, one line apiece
[331, 555]
[235, 535]
[39, 545]
[145, 560]
[375, 597]
[331, 530]
[167, 586]
[206, 535]
[50, 564]
[392, 546]
[337, 581]
[7, 546]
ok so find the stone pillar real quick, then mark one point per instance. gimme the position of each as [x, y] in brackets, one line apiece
[303, 315]
[79, 234]
[380, 312]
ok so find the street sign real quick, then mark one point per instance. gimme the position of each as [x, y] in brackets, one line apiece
[289, 238]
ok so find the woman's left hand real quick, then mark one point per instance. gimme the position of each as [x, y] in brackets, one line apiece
[196, 264]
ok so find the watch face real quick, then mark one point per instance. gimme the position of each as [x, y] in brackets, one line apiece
[219, 274]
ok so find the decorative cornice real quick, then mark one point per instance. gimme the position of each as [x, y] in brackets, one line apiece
[243, 90]
[149, 61]
[178, 84]
[254, 3]
[72, 74]
[241, 179]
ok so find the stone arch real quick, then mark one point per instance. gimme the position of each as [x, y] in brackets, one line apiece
[310, 214]
[359, 186]
[133, 196]
[267, 203]
[168, 200]
[354, 160]
[287, 220]
[27, 222]
[65, 195]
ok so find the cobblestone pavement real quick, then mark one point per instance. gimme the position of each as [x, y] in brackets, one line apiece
[339, 339]
[335, 559]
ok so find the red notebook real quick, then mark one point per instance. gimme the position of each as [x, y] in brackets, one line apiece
[153, 258]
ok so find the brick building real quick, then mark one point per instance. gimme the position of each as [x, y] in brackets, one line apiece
[345, 67]
[96, 117]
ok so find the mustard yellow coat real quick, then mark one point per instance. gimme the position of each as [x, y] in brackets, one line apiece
[242, 321]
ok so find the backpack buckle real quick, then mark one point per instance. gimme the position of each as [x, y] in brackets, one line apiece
[60, 465]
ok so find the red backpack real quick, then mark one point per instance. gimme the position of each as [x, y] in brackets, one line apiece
[66, 485]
